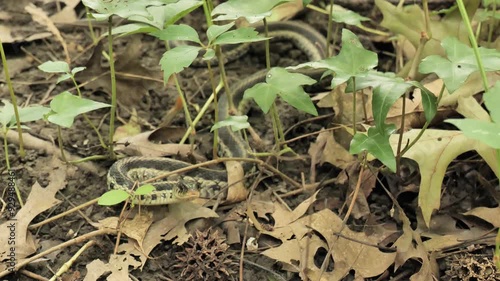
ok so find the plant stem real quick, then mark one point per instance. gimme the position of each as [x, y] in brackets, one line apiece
[7, 163]
[473, 42]
[184, 106]
[329, 30]
[421, 132]
[89, 21]
[87, 119]
[13, 99]
[354, 105]
[60, 143]
[113, 89]
[400, 140]
[204, 109]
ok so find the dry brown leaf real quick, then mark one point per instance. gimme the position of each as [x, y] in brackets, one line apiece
[367, 261]
[286, 10]
[141, 145]
[173, 225]
[262, 208]
[129, 129]
[39, 200]
[132, 79]
[11, 31]
[67, 14]
[292, 253]
[41, 17]
[135, 228]
[491, 215]
[326, 149]
[117, 265]
[409, 246]
[237, 191]
[283, 217]
[471, 86]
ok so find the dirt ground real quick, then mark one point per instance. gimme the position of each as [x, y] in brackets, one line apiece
[152, 100]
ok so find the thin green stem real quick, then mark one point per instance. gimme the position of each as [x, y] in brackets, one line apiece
[14, 101]
[267, 45]
[7, 163]
[60, 143]
[421, 132]
[473, 42]
[200, 115]
[87, 119]
[400, 140]
[113, 89]
[184, 105]
[329, 30]
[354, 105]
[89, 21]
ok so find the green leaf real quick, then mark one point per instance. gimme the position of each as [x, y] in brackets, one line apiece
[240, 35]
[263, 94]
[285, 84]
[253, 11]
[113, 197]
[387, 88]
[132, 28]
[209, 54]
[176, 59]
[144, 189]
[54, 67]
[166, 15]
[377, 143]
[492, 100]
[180, 32]
[26, 114]
[65, 107]
[124, 9]
[215, 30]
[460, 63]
[342, 15]
[486, 132]
[6, 113]
[63, 78]
[77, 69]
[31, 113]
[352, 60]
[429, 100]
[236, 122]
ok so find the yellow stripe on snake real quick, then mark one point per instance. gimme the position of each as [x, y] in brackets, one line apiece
[203, 182]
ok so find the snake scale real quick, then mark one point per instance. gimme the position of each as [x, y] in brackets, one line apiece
[203, 182]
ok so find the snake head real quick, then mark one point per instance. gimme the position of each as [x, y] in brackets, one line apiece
[186, 191]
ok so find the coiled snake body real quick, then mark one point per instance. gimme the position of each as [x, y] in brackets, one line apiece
[202, 182]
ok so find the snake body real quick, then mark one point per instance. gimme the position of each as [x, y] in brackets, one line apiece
[202, 182]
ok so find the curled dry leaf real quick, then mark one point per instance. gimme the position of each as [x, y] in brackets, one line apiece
[237, 191]
[326, 149]
[39, 200]
[142, 145]
[132, 79]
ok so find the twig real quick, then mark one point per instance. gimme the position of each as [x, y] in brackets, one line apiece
[68, 243]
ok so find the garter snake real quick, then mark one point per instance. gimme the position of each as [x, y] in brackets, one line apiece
[202, 182]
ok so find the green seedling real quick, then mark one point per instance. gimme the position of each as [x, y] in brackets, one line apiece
[355, 65]
[8, 121]
[61, 67]
[67, 73]
[117, 196]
